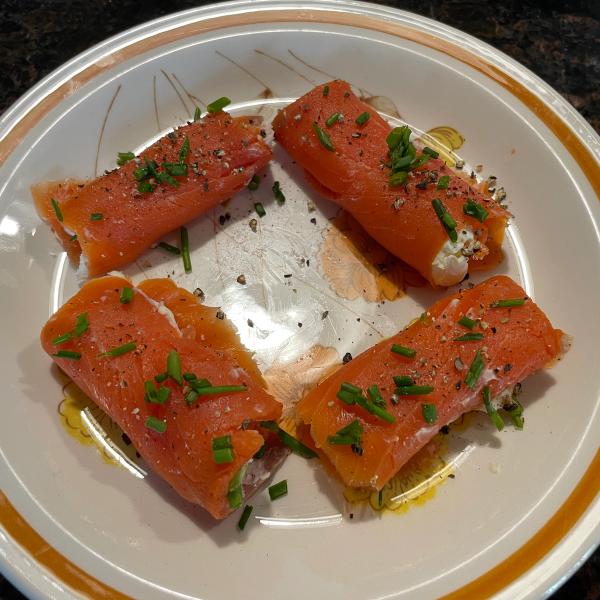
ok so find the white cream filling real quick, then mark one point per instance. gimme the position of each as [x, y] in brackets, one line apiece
[450, 264]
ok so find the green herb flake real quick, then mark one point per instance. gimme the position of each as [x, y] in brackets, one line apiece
[279, 196]
[429, 412]
[120, 350]
[124, 157]
[197, 113]
[491, 411]
[414, 390]
[430, 152]
[469, 337]
[184, 152]
[326, 91]
[475, 370]
[475, 210]
[260, 209]
[403, 380]
[156, 424]
[245, 516]
[254, 183]
[508, 303]
[174, 366]
[169, 248]
[403, 351]
[56, 209]
[443, 182]
[323, 138]
[96, 217]
[185, 249]
[68, 354]
[466, 322]
[82, 324]
[296, 446]
[362, 118]
[126, 295]
[333, 119]
[62, 338]
[278, 490]
[445, 218]
[218, 105]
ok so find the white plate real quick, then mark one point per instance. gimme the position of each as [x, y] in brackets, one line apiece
[522, 509]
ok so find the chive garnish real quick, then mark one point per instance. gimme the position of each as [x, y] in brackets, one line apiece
[475, 210]
[185, 250]
[120, 350]
[491, 411]
[508, 303]
[296, 446]
[184, 152]
[475, 370]
[235, 497]
[62, 338]
[346, 397]
[446, 219]
[156, 424]
[515, 412]
[197, 113]
[174, 366]
[260, 209]
[245, 516]
[350, 387]
[175, 169]
[81, 324]
[326, 91]
[443, 182]
[279, 196]
[375, 396]
[126, 295]
[403, 351]
[398, 178]
[169, 248]
[96, 217]
[211, 390]
[68, 354]
[161, 377]
[362, 118]
[218, 105]
[466, 322]
[124, 157]
[56, 209]
[429, 412]
[414, 390]
[469, 337]
[191, 397]
[333, 119]
[222, 449]
[349, 435]
[162, 395]
[145, 187]
[403, 380]
[254, 183]
[323, 138]
[73, 237]
[381, 413]
[190, 376]
[150, 392]
[431, 152]
[278, 490]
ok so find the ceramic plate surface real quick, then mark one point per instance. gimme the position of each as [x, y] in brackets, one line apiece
[521, 510]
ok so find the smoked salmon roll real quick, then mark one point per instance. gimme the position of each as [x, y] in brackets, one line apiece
[469, 350]
[108, 222]
[408, 200]
[175, 377]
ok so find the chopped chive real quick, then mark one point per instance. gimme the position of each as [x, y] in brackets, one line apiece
[278, 490]
[169, 248]
[260, 209]
[508, 303]
[466, 322]
[414, 390]
[245, 516]
[443, 182]
[235, 497]
[174, 366]
[197, 113]
[68, 354]
[491, 411]
[375, 396]
[185, 150]
[429, 412]
[196, 384]
[96, 217]
[515, 412]
[398, 135]
[56, 209]
[296, 446]
[362, 118]
[126, 295]
[346, 397]
[260, 452]
[73, 237]
[431, 152]
[145, 187]
[350, 387]
[254, 183]
[323, 138]
[469, 337]
[279, 196]
[219, 443]
[175, 169]
[81, 324]
[475, 210]
[140, 173]
[190, 376]
[218, 105]
[185, 250]
[381, 413]
[62, 338]
[347, 436]
[223, 455]
[156, 424]
[120, 350]
[398, 178]
[419, 161]
[162, 395]
[124, 157]
[446, 219]
[210, 390]
[150, 392]
[403, 380]
[161, 377]
[475, 370]
[403, 351]
[326, 91]
[333, 119]
[191, 397]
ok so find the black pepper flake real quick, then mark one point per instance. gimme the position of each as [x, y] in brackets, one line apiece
[324, 314]
[241, 279]
[457, 385]
[250, 323]
[126, 439]
[494, 330]
[507, 367]
[357, 449]
[347, 358]
[351, 515]
[199, 293]
[445, 430]
[422, 185]
[313, 221]
[220, 315]
[451, 475]
[287, 275]
[299, 324]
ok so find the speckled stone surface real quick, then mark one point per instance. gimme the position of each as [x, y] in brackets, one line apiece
[558, 40]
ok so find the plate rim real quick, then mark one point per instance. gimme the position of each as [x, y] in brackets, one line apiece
[584, 147]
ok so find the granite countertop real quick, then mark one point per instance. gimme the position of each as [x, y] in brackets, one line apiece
[559, 40]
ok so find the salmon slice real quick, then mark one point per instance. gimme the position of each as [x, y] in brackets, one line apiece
[512, 343]
[159, 319]
[107, 223]
[354, 173]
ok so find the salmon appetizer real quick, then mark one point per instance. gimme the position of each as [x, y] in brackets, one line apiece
[408, 200]
[175, 377]
[108, 222]
[469, 350]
